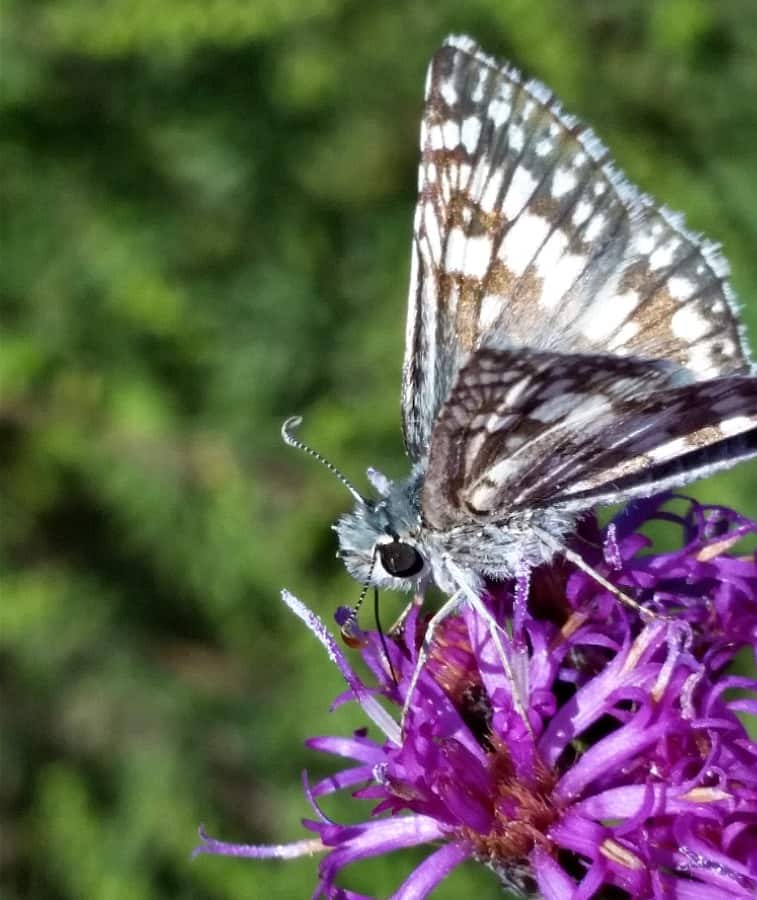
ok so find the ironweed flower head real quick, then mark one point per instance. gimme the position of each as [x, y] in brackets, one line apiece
[608, 754]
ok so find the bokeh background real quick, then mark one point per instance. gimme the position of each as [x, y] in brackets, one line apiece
[206, 221]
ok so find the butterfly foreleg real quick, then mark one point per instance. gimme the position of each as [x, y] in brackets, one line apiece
[517, 675]
[399, 623]
[449, 608]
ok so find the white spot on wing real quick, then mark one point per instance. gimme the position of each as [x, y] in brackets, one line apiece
[727, 348]
[477, 256]
[604, 318]
[470, 133]
[550, 253]
[474, 446]
[572, 408]
[449, 92]
[483, 494]
[477, 94]
[480, 173]
[557, 269]
[669, 450]
[560, 278]
[563, 182]
[663, 256]
[516, 138]
[595, 227]
[433, 233]
[491, 307]
[451, 132]
[489, 201]
[497, 423]
[644, 243]
[699, 359]
[737, 424]
[688, 325]
[591, 408]
[455, 250]
[516, 391]
[582, 212]
[680, 288]
[499, 111]
[522, 241]
[435, 137]
[519, 192]
[626, 334]
[557, 387]
[557, 407]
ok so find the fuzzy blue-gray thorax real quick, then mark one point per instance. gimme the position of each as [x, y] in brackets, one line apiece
[380, 541]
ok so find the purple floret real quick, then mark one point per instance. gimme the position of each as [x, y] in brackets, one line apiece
[608, 753]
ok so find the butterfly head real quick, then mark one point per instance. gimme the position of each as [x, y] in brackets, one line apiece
[380, 541]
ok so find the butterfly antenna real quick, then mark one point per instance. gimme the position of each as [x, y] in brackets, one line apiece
[290, 440]
[345, 628]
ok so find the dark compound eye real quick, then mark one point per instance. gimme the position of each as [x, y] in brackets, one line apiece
[399, 559]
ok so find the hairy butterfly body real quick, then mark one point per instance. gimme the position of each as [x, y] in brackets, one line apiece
[569, 343]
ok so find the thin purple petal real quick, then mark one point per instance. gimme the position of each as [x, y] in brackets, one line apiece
[258, 851]
[433, 870]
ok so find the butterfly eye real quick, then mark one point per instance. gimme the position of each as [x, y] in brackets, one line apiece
[399, 559]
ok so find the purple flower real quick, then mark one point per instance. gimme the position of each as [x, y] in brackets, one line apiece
[601, 751]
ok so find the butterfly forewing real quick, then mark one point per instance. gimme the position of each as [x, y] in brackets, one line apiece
[525, 231]
[525, 429]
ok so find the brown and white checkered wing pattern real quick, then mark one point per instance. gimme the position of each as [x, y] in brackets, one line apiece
[525, 231]
[525, 429]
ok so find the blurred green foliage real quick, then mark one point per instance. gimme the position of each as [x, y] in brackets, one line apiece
[206, 220]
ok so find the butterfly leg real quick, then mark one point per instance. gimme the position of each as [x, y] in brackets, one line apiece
[580, 563]
[518, 680]
[448, 609]
[399, 623]
[520, 604]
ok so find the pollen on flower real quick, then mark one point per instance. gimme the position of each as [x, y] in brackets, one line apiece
[522, 813]
[617, 853]
[707, 795]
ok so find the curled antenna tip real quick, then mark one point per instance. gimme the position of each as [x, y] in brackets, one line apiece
[291, 424]
[287, 434]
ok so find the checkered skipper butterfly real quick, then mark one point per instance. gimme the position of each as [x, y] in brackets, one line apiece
[569, 343]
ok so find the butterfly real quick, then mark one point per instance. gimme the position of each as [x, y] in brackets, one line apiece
[569, 344]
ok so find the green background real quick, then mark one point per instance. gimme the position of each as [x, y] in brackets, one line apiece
[206, 220]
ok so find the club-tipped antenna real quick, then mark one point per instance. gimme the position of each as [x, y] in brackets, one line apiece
[287, 429]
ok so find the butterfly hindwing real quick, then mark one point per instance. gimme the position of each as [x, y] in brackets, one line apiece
[523, 430]
[524, 230]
